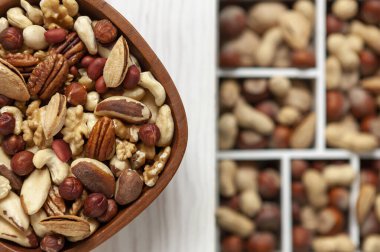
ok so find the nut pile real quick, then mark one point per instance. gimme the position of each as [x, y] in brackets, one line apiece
[320, 205]
[368, 206]
[249, 215]
[266, 113]
[352, 80]
[249, 36]
[83, 128]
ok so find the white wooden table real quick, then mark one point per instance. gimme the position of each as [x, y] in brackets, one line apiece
[182, 33]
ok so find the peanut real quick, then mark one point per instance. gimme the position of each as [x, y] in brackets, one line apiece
[316, 188]
[228, 130]
[234, 222]
[227, 172]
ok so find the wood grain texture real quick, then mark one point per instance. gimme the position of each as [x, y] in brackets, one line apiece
[182, 34]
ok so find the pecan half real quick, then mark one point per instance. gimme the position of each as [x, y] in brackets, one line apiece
[54, 204]
[101, 143]
[25, 63]
[72, 48]
[49, 76]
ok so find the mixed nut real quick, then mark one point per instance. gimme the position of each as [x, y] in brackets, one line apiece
[267, 34]
[352, 80]
[266, 113]
[249, 214]
[83, 129]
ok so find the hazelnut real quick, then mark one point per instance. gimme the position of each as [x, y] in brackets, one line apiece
[233, 202]
[333, 24]
[370, 225]
[261, 242]
[280, 137]
[232, 21]
[301, 239]
[296, 212]
[269, 218]
[318, 165]
[298, 169]
[299, 193]
[55, 36]
[62, 150]
[367, 122]
[270, 108]
[22, 163]
[269, 184]
[229, 58]
[369, 177]
[149, 134]
[100, 85]
[76, 94]
[370, 11]
[232, 243]
[87, 61]
[132, 77]
[336, 105]
[5, 101]
[362, 103]
[70, 188]
[105, 31]
[11, 38]
[52, 243]
[303, 59]
[74, 71]
[339, 197]
[255, 90]
[13, 144]
[7, 124]
[95, 205]
[330, 221]
[111, 211]
[248, 139]
[368, 62]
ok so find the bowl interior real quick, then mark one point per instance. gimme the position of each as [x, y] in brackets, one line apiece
[98, 9]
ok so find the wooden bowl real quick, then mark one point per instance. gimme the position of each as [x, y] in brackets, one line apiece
[98, 9]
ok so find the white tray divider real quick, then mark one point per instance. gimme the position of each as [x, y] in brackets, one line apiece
[257, 72]
[286, 204]
[353, 226]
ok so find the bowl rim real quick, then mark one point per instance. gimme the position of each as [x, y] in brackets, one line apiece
[150, 62]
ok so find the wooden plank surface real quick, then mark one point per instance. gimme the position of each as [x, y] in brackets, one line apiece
[182, 33]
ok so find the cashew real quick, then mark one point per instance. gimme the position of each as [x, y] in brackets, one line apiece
[148, 81]
[279, 86]
[259, 21]
[296, 29]
[345, 9]
[250, 118]
[138, 93]
[58, 169]
[288, 116]
[266, 51]
[71, 6]
[250, 203]
[304, 134]
[11, 211]
[93, 99]
[246, 178]
[35, 190]
[33, 13]
[339, 46]
[371, 243]
[3, 24]
[333, 243]
[339, 175]
[229, 93]
[5, 187]
[104, 51]
[148, 100]
[234, 222]
[34, 37]
[227, 172]
[316, 188]
[10, 233]
[333, 72]
[85, 32]
[369, 33]
[306, 8]
[16, 17]
[17, 114]
[165, 123]
[228, 131]
[35, 219]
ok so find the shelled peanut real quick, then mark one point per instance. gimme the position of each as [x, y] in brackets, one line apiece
[368, 206]
[320, 205]
[249, 214]
[267, 34]
[266, 113]
[352, 69]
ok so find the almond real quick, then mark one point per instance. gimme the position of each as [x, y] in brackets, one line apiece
[54, 115]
